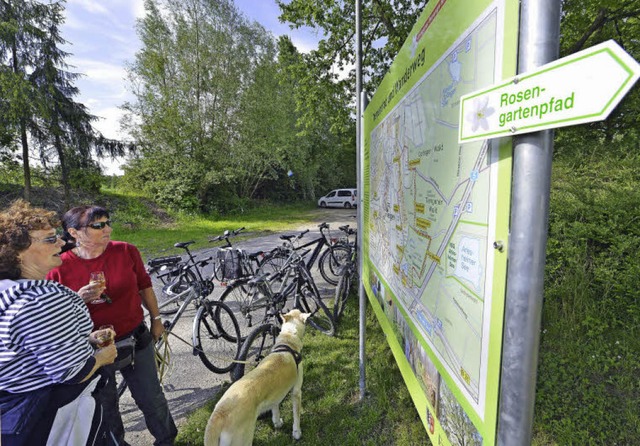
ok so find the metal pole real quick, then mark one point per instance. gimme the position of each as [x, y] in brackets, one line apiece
[362, 297]
[532, 153]
[359, 162]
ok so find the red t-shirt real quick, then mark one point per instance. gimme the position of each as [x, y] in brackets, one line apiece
[126, 277]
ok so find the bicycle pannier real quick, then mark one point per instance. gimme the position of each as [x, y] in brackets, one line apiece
[230, 263]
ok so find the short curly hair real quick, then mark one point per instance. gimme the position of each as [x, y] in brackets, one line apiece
[15, 224]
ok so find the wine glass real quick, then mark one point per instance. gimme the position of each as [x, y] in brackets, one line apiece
[97, 277]
[106, 335]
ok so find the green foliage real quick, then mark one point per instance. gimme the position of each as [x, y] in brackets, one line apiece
[84, 175]
[587, 377]
[197, 61]
[385, 27]
[218, 113]
[12, 174]
[37, 110]
[594, 237]
[171, 181]
[588, 22]
[332, 412]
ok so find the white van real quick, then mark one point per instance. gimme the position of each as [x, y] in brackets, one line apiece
[343, 198]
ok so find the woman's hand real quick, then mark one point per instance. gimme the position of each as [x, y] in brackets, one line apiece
[91, 291]
[99, 336]
[106, 355]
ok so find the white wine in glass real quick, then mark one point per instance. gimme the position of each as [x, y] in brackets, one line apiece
[106, 335]
[97, 277]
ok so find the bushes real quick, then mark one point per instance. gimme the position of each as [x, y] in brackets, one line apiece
[588, 385]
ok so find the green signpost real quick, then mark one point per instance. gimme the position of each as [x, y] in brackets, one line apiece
[446, 199]
[432, 212]
[576, 89]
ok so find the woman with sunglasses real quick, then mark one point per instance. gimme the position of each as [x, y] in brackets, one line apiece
[48, 355]
[118, 303]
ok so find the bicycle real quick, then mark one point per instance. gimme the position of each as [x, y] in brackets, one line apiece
[253, 297]
[232, 263]
[182, 273]
[215, 333]
[168, 271]
[328, 262]
[261, 339]
[347, 272]
[293, 278]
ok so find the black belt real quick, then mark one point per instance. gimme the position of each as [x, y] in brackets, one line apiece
[279, 348]
[135, 332]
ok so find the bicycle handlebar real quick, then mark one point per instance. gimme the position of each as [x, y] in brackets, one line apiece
[226, 235]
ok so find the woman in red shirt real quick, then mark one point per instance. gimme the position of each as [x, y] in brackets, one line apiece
[118, 303]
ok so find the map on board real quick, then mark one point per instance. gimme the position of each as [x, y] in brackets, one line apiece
[430, 202]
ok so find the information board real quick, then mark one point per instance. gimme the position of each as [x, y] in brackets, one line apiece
[436, 216]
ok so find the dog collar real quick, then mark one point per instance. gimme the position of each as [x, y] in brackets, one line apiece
[285, 348]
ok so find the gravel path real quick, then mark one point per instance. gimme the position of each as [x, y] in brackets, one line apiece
[190, 384]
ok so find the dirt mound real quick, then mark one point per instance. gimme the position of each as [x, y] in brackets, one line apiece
[47, 197]
[53, 199]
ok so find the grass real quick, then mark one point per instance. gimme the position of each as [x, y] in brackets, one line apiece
[587, 386]
[332, 413]
[155, 233]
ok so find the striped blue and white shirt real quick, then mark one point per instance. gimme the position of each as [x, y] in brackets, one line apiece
[44, 335]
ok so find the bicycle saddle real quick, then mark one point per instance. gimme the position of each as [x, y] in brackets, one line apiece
[183, 244]
[256, 255]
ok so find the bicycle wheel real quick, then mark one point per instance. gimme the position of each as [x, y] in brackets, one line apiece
[247, 303]
[321, 318]
[217, 350]
[172, 289]
[254, 349]
[331, 264]
[272, 262]
[308, 299]
[342, 293]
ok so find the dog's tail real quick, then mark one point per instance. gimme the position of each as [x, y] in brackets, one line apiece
[213, 432]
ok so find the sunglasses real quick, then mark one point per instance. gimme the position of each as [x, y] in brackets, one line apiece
[52, 240]
[99, 225]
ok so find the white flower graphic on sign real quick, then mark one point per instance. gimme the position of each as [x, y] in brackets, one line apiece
[480, 111]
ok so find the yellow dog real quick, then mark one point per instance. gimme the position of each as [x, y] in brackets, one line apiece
[233, 420]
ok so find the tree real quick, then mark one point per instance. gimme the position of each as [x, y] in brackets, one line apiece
[231, 110]
[326, 153]
[37, 91]
[584, 24]
[385, 27]
[198, 59]
[20, 36]
[266, 129]
[59, 122]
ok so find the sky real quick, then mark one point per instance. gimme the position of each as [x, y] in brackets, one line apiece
[102, 39]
